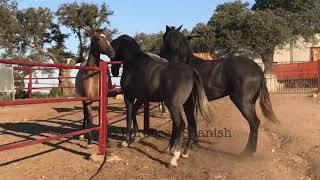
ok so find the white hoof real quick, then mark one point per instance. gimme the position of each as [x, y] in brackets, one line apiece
[89, 146]
[185, 156]
[174, 160]
[141, 135]
[173, 163]
[81, 137]
[124, 144]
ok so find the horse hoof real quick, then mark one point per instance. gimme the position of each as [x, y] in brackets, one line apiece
[248, 153]
[185, 156]
[137, 139]
[81, 137]
[173, 163]
[89, 146]
[141, 135]
[124, 144]
[165, 151]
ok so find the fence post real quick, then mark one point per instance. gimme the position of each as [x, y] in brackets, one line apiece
[103, 91]
[30, 83]
[146, 116]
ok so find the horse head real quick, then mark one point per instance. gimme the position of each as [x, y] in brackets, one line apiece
[100, 43]
[175, 46]
[125, 48]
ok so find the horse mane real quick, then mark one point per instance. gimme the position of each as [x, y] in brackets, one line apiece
[129, 47]
[178, 43]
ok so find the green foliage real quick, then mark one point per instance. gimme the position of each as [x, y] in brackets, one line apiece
[82, 19]
[56, 92]
[21, 94]
[149, 42]
[264, 31]
[204, 38]
[303, 16]
[238, 29]
[228, 24]
[7, 23]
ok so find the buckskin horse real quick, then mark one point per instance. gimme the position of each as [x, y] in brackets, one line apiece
[237, 77]
[87, 82]
[148, 78]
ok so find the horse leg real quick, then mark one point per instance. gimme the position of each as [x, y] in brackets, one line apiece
[85, 118]
[178, 117]
[89, 123]
[164, 109]
[247, 108]
[135, 109]
[189, 108]
[129, 106]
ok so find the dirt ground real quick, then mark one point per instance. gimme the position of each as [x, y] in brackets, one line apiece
[286, 151]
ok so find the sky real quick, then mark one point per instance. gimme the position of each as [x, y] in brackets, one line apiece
[148, 16]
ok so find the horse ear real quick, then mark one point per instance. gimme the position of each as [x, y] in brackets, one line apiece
[167, 28]
[179, 28]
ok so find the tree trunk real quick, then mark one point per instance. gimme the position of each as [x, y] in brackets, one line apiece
[267, 59]
[66, 82]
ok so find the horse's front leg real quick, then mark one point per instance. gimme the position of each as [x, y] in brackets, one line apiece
[135, 109]
[129, 106]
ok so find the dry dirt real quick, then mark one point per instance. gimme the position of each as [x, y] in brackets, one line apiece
[286, 151]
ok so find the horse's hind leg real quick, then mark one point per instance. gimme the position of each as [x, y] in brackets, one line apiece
[89, 123]
[178, 117]
[85, 118]
[247, 108]
[189, 108]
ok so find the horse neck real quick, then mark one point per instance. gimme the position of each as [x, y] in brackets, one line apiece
[93, 59]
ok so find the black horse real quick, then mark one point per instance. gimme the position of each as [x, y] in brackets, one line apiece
[148, 78]
[237, 77]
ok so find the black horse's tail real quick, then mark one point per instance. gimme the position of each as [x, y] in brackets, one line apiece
[265, 102]
[201, 100]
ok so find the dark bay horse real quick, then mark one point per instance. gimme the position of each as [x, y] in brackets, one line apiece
[237, 77]
[87, 82]
[148, 78]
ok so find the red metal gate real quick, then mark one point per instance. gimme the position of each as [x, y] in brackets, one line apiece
[294, 77]
[103, 120]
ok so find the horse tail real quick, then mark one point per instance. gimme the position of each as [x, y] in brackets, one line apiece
[201, 100]
[265, 102]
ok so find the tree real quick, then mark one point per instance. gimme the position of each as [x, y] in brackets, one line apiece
[264, 33]
[227, 23]
[239, 30]
[7, 22]
[37, 35]
[149, 42]
[203, 38]
[83, 18]
[303, 16]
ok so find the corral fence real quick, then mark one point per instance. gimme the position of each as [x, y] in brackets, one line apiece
[294, 77]
[104, 120]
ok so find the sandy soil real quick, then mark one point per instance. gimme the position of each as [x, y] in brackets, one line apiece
[286, 151]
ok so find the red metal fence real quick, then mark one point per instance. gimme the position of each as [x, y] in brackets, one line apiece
[103, 119]
[293, 78]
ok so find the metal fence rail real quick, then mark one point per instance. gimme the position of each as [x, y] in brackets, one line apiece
[294, 77]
